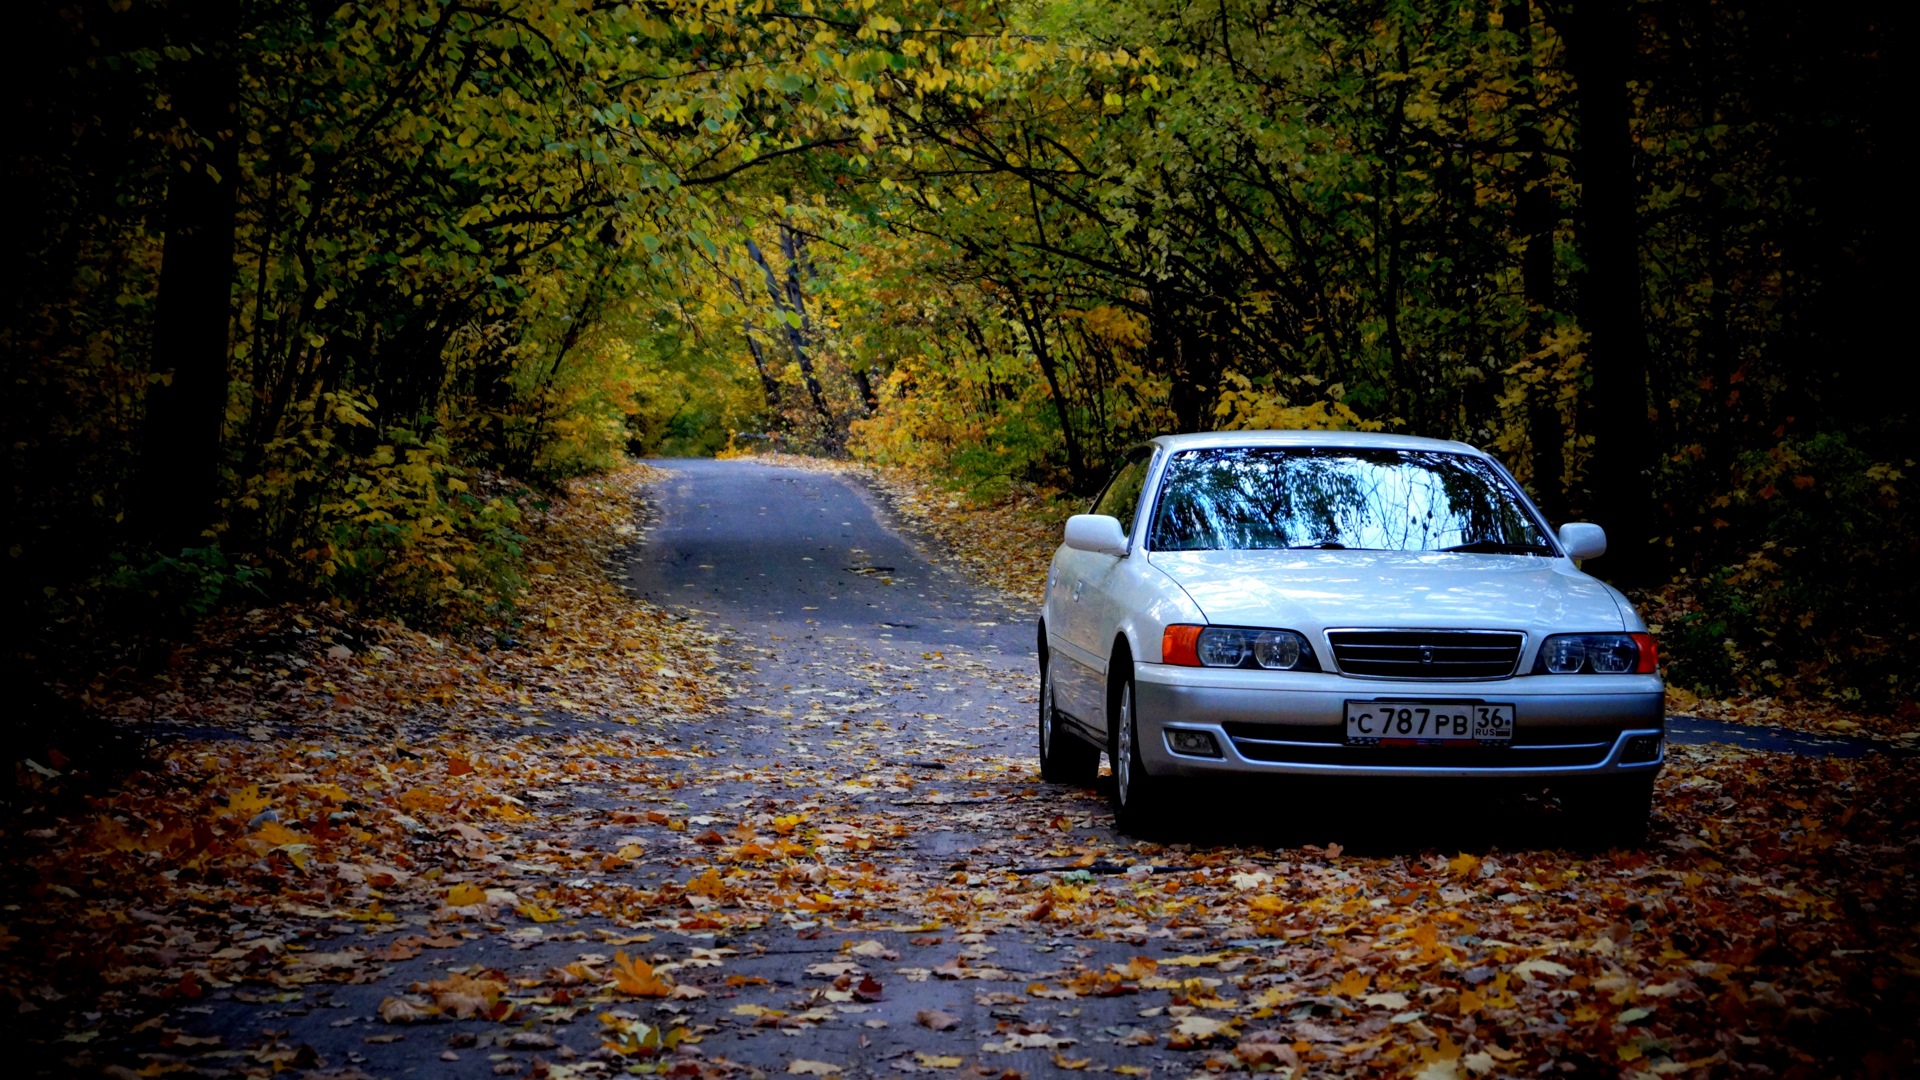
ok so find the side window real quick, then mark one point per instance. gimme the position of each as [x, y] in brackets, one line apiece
[1122, 496]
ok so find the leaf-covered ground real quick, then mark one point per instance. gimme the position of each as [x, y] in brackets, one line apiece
[756, 836]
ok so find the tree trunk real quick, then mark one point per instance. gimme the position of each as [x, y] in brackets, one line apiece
[864, 383]
[1534, 220]
[1077, 469]
[769, 386]
[177, 497]
[797, 341]
[1184, 395]
[1600, 40]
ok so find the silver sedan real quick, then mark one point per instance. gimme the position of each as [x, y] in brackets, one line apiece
[1253, 604]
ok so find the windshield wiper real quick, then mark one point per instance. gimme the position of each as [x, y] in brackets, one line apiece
[1324, 545]
[1497, 547]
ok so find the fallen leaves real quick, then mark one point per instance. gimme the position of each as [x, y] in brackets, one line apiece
[1776, 891]
[366, 752]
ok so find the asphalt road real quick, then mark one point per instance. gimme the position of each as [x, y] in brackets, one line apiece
[786, 555]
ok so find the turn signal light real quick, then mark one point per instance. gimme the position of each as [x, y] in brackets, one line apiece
[1649, 654]
[1180, 644]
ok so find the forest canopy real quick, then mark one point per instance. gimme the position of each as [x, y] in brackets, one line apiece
[305, 299]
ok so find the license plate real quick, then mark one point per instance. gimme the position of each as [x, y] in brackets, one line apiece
[1387, 722]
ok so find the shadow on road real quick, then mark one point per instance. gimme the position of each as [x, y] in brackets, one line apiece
[1385, 818]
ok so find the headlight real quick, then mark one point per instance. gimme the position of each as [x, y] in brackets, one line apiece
[1220, 647]
[1598, 654]
[1232, 646]
[1277, 649]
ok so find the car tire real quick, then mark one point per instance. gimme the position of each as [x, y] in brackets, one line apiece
[1139, 799]
[1064, 757]
[1610, 811]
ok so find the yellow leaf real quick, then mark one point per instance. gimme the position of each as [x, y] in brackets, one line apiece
[466, 896]
[274, 834]
[247, 801]
[537, 913]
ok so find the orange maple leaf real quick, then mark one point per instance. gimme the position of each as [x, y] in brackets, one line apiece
[635, 978]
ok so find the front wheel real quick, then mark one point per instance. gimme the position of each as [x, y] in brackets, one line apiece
[1064, 759]
[1138, 798]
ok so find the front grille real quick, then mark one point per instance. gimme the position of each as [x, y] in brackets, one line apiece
[1466, 756]
[1532, 747]
[1427, 654]
[1525, 736]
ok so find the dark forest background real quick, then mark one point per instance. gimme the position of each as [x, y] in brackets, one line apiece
[314, 300]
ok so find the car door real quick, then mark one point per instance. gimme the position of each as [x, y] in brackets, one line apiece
[1088, 591]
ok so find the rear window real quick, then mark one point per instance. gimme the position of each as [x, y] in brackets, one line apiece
[1265, 498]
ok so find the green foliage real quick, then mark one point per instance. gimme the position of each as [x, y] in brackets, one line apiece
[402, 533]
[396, 528]
[170, 592]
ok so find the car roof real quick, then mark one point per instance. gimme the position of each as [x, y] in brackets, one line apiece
[1372, 440]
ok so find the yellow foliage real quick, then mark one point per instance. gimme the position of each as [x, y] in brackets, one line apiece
[1242, 406]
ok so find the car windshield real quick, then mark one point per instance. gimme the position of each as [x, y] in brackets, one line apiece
[1264, 498]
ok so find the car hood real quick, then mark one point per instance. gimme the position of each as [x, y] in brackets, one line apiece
[1313, 590]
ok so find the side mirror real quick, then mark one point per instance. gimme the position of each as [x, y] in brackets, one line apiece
[1097, 533]
[1583, 540]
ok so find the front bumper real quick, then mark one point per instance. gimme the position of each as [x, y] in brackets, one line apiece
[1265, 723]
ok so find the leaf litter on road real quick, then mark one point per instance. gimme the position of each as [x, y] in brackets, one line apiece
[560, 798]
